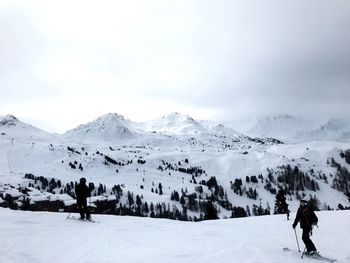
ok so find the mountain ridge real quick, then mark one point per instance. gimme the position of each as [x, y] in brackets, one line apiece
[284, 127]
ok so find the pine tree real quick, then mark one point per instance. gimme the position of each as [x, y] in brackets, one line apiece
[182, 200]
[130, 199]
[160, 189]
[281, 206]
[314, 203]
[210, 211]
[247, 209]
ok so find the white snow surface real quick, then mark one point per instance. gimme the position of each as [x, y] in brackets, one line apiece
[41, 237]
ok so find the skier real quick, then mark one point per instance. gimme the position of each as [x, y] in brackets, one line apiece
[281, 206]
[307, 218]
[287, 213]
[82, 192]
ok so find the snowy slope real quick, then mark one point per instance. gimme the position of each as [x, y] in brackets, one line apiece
[48, 237]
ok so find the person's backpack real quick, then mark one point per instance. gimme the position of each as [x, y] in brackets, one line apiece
[309, 216]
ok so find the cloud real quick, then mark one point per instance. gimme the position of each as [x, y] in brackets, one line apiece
[228, 58]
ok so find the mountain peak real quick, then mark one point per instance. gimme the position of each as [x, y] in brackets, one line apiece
[8, 120]
[175, 123]
[176, 115]
[111, 116]
[11, 125]
[110, 126]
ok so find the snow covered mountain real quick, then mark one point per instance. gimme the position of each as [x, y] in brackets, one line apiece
[175, 124]
[218, 128]
[279, 126]
[10, 121]
[295, 129]
[176, 163]
[12, 126]
[333, 129]
[222, 130]
[109, 127]
[181, 126]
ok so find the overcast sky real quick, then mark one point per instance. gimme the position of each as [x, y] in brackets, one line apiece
[64, 63]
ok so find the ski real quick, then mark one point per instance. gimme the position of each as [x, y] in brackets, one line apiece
[83, 220]
[319, 257]
[316, 256]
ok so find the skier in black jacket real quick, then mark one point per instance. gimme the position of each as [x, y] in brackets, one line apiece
[307, 218]
[82, 192]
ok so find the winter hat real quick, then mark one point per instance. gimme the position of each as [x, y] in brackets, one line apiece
[303, 202]
[82, 180]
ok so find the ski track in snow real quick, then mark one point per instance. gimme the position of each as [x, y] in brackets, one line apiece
[40, 237]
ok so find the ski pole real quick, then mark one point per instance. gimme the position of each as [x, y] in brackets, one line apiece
[302, 254]
[296, 237]
[68, 215]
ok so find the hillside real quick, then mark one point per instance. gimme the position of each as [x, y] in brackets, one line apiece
[48, 237]
[162, 172]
